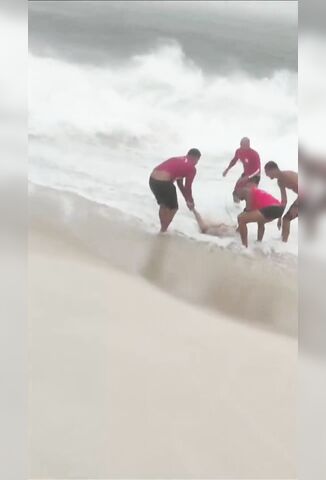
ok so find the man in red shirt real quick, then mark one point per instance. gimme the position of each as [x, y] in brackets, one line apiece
[261, 208]
[161, 182]
[251, 167]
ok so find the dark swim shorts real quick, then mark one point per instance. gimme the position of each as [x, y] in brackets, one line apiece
[165, 193]
[270, 213]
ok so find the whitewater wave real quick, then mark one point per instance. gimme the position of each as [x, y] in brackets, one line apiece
[163, 100]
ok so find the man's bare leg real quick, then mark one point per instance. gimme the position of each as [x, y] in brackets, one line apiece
[292, 213]
[248, 217]
[261, 231]
[243, 230]
[285, 229]
[166, 216]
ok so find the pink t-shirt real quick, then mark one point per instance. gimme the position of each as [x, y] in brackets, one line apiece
[249, 159]
[179, 168]
[261, 199]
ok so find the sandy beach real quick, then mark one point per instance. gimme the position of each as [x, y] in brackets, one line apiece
[127, 381]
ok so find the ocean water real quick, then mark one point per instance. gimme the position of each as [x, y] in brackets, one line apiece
[98, 130]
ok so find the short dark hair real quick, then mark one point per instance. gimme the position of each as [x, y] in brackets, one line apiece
[271, 166]
[194, 152]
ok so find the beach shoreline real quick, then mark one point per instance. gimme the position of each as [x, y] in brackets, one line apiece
[260, 290]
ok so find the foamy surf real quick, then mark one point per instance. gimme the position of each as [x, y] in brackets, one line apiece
[140, 207]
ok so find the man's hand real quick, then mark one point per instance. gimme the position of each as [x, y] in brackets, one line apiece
[191, 205]
[279, 223]
[225, 172]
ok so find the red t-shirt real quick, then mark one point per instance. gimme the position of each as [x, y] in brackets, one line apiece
[261, 199]
[178, 168]
[249, 159]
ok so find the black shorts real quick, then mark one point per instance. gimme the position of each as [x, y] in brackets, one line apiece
[270, 213]
[165, 193]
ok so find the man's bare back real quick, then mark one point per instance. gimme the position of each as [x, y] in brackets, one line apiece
[288, 179]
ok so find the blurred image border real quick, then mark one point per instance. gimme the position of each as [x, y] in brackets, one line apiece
[312, 242]
[13, 242]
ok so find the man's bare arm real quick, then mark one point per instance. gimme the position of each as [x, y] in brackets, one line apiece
[185, 188]
[231, 164]
[181, 186]
[284, 200]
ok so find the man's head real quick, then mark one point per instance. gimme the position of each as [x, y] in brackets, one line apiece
[245, 142]
[194, 155]
[243, 192]
[272, 170]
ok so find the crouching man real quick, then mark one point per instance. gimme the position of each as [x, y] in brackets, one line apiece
[261, 208]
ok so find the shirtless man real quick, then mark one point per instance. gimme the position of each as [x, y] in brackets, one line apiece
[214, 229]
[251, 167]
[286, 179]
[261, 208]
[161, 182]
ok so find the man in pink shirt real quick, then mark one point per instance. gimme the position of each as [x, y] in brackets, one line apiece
[251, 167]
[261, 208]
[161, 182]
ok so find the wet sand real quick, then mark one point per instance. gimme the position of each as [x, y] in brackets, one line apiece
[127, 381]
